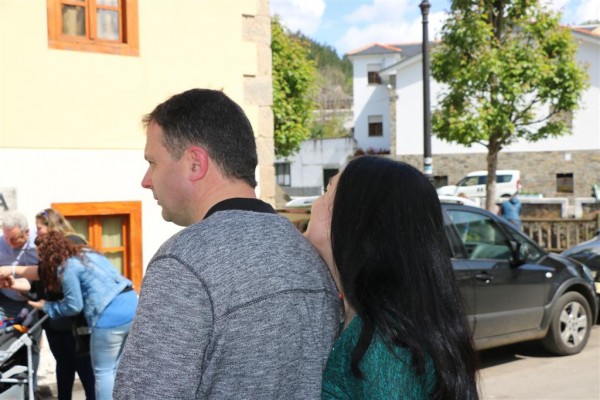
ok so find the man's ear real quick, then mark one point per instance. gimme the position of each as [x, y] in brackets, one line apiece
[198, 162]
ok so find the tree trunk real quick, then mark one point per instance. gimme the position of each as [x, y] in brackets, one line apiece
[492, 165]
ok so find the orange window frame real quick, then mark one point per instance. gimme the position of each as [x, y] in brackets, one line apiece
[128, 43]
[132, 230]
[95, 231]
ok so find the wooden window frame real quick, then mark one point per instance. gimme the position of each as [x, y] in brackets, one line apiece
[375, 129]
[373, 78]
[375, 126]
[128, 32]
[132, 210]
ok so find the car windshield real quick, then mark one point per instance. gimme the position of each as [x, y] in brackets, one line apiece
[468, 181]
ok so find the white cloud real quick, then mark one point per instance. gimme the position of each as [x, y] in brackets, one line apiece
[303, 15]
[379, 11]
[575, 11]
[388, 21]
[391, 31]
[588, 10]
[556, 5]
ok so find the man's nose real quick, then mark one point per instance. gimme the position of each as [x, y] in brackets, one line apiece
[146, 181]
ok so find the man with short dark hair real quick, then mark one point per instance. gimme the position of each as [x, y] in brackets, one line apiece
[238, 304]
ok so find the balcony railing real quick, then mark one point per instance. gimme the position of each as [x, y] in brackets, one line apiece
[557, 235]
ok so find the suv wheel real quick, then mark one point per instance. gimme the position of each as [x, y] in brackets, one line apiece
[570, 325]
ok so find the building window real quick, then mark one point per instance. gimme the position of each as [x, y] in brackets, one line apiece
[113, 228]
[373, 74]
[374, 78]
[375, 125]
[103, 26]
[282, 174]
[328, 173]
[564, 183]
[392, 84]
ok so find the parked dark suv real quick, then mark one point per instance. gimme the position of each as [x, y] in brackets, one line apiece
[514, 290]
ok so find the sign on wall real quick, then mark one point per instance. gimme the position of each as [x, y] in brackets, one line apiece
[8, 199]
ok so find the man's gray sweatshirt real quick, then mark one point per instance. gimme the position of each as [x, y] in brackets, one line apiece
[238, 306]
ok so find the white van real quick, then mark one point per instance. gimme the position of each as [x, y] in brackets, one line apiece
[473, 185]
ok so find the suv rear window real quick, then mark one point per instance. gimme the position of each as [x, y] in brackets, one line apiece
[482, 180]
[503, 178]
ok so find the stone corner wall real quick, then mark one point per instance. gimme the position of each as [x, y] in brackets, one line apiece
[258, 91]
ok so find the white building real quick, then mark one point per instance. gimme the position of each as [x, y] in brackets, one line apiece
[388, 114]
[73, 92]
[308, 171]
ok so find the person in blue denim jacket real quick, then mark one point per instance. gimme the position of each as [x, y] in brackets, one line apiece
[511, 210]
[89, 282]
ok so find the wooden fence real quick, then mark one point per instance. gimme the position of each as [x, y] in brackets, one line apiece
[557, 235]
[552, 234]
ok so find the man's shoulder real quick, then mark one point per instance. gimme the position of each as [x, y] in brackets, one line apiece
[231, 217]
[237, 245]
[233, 223]
[4, 247]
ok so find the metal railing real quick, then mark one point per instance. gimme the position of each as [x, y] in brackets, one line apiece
[559, 234]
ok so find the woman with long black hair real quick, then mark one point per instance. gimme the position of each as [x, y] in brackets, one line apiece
[379, 227]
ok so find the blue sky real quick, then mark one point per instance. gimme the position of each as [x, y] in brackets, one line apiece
[351, 24]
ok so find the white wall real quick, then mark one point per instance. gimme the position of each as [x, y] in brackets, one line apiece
[54, 103]
[370, 100]
[94, 100]
[409, 110]
[307, 165]
[41, 177]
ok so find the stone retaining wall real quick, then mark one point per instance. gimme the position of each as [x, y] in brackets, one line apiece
[538, 169]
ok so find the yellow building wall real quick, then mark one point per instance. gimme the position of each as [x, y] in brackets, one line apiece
[52, 98]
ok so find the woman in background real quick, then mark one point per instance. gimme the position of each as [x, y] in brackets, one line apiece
[51, 220]
[59, 331]
[89, 282]
[380, 230]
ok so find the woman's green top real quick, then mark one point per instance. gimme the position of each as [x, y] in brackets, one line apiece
[387, 374]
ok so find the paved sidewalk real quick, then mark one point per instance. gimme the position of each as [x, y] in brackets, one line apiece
[48, 391]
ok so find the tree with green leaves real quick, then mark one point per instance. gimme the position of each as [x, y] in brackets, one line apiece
[333, 94]
[509, 74]
[294, 77]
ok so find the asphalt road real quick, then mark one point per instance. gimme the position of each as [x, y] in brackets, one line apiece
[526, 371]
[522, 371]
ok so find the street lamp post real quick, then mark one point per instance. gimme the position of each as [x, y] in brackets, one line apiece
[427, 161]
